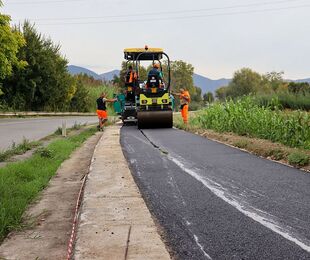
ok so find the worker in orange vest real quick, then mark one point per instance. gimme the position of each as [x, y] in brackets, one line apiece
[130, 80]
[130, 77]
[185, 99]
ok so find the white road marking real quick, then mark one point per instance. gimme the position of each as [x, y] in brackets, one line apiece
[255, 214]
[201, 247]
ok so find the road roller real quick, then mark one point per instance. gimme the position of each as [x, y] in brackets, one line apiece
[153, 100]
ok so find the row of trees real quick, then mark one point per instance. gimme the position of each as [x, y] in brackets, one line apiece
[33, 73]
[269, 90]
[10, 42]
[247, 81]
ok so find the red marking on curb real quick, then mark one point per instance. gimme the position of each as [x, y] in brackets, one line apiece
[77, 209]
[75, 220]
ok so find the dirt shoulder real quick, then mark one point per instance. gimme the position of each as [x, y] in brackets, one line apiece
[48, 221]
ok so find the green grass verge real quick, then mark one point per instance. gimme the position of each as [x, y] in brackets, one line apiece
[21, 182]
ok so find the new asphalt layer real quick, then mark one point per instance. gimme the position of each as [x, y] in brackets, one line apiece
[217, 202]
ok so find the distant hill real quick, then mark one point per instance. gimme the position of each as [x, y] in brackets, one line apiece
[302, 80]
[74, 70]
[209, 85]
[206, 84]
[109, 75]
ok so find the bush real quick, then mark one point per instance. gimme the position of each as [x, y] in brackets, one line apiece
[45, 152]
[298, 159]
[276, 154]
[58, 131]
[76, 126]
[241, 144]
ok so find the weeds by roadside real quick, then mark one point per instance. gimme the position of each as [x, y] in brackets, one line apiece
[25, 146]
[298, 159]
[76, 126]
[58, 131]
[21, 182]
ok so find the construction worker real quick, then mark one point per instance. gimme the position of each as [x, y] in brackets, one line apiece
[184, 102]
[102, 110]
[155, 71]
[130, 77]
[155, 75]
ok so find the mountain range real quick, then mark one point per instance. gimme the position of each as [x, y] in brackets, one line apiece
[205, 83]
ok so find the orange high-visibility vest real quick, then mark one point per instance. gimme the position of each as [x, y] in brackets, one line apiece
[131, 76]
[186, 97]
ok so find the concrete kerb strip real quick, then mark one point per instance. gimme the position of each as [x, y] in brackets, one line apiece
[114, 221]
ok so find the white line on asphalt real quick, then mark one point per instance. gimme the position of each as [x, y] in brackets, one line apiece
[256, 214]
[201, 247]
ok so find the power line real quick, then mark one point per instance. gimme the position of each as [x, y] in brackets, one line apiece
[167, 12]
[44, 2]
[183, 17]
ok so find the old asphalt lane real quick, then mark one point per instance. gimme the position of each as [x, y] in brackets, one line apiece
[15, 129]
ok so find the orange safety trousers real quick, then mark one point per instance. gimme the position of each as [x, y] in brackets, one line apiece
[184, 113]
[102, 114]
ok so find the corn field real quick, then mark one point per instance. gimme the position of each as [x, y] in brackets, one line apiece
[246, 117]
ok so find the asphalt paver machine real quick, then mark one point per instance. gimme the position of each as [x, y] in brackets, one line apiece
[148, 100]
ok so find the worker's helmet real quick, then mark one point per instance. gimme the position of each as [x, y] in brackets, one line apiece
[156, 65]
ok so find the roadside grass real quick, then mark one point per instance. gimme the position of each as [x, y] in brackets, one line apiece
[21, 182]
[25, 146]
[244, 117]
[297, 157]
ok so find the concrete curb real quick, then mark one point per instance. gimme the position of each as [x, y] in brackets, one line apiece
[115, 222]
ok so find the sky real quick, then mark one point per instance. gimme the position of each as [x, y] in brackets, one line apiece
[216, 37]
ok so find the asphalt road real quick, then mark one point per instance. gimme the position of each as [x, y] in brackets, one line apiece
[217, 202]
[14, 130]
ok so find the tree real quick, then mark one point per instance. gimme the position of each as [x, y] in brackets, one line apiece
[222, 93]
[116, 80]
[10, 42]
[80, 102]
[44, 84]
[275, 79]
[299, 87]
[88, 80]
[208, 97]
[246, 81]
[182, 77]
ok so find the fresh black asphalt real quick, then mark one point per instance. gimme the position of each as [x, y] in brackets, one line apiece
[217, 202]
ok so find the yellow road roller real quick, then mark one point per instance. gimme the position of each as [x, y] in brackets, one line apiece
[154, 103]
